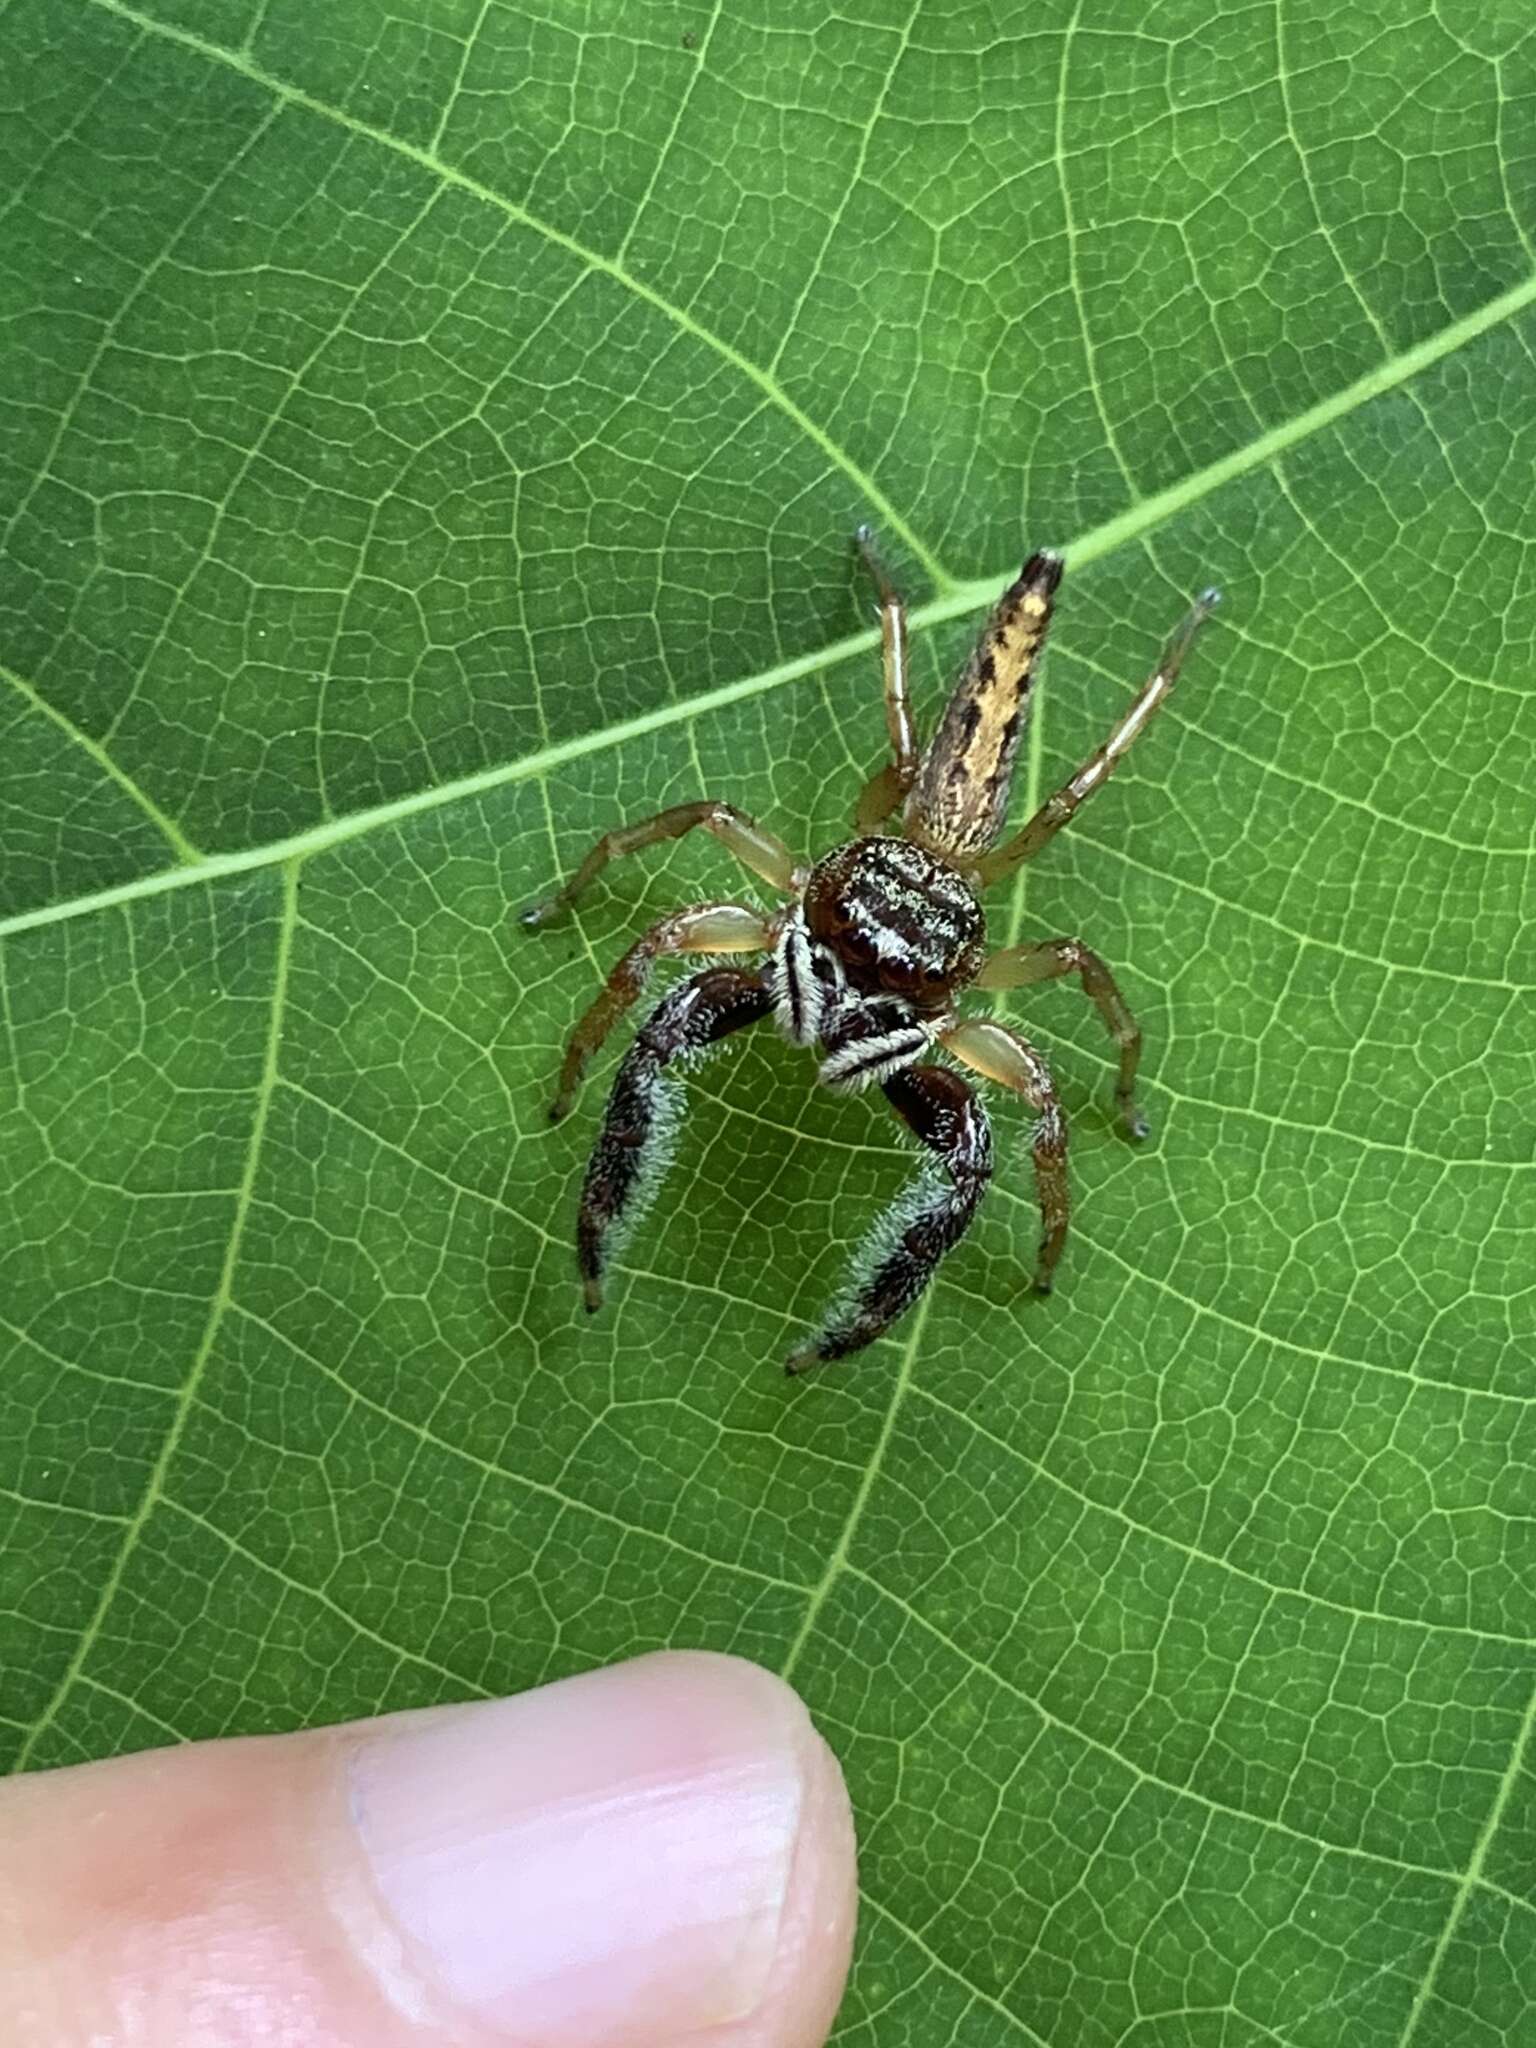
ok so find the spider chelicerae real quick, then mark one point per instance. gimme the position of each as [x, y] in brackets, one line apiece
[865, 961]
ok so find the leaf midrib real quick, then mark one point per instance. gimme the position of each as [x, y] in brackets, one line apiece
[955, 598]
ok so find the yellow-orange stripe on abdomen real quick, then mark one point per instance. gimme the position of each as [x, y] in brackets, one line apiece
[959, 802]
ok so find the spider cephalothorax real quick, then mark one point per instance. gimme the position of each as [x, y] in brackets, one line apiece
[865, 962]
[898, 920]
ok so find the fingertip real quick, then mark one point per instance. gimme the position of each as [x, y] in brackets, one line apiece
[632, 1858]
[671, 1839]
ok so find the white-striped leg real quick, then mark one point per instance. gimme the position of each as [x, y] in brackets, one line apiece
[902, 1251]
[634, 1143]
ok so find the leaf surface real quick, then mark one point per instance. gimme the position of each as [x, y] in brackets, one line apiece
[435, 439]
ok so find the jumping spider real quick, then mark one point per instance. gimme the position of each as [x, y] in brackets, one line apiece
[866, 960]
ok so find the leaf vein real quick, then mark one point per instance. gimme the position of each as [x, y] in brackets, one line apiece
[1263, 1822]
[490, 1468]
[1472, 1879]
[593, 259]
[154, 1488]
[1195, 1555]
[186, 853]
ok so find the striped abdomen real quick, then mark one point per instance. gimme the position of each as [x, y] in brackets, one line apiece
[959, 802]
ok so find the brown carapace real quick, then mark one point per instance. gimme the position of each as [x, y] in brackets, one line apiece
[865, 961]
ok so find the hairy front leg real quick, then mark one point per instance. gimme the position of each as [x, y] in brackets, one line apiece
[702, 928]
[752, 845]
[885, 790]
[1020, 966]
[645, 1107]
[1004, 1057]
[1059, 808]
[899, 1256]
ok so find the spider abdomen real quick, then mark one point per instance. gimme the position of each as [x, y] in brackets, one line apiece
[897, 920]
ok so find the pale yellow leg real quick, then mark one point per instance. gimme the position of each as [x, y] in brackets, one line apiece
[1059, 807]
[1020, 966]
[885, 790]
[702, 928]
[754, 846]
[1013, 1062]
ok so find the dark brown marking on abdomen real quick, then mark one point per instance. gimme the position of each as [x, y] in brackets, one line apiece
[959, 803]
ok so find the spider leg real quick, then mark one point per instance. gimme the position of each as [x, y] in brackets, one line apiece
[1019, 966]
[645, 1107]
[754, 847]
[898, 1257]
[703, 928]
[1003, 1056]
[885, 790]
[1058, 808]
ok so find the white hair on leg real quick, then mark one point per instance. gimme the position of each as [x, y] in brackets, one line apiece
[864, 1061]
[799, 992]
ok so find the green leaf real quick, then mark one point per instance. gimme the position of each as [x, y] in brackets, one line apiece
[433, 434]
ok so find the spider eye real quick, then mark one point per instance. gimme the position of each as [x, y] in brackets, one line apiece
[933, 976]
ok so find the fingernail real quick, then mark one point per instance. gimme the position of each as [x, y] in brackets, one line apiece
[604, 1860]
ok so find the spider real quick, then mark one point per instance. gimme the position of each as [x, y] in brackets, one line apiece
[865, 962]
